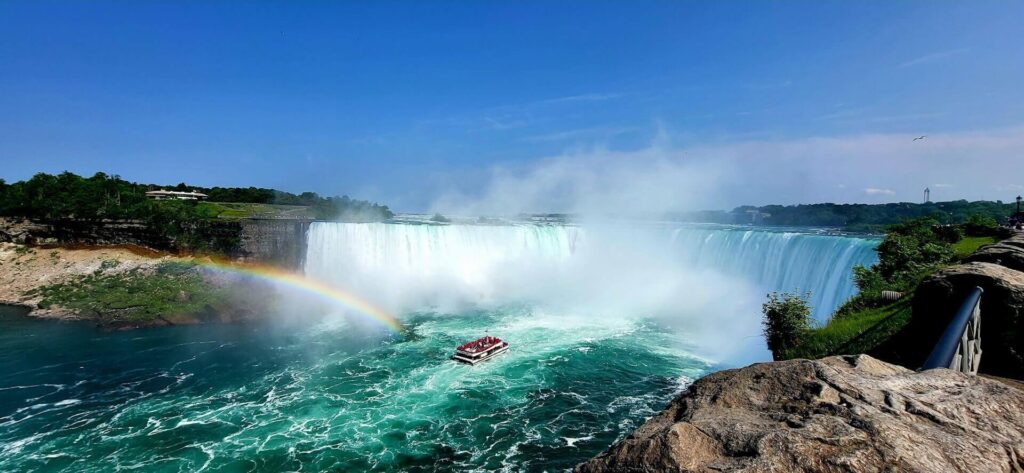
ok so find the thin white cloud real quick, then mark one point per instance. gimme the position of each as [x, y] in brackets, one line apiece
[937, 56]
[582, 133]
[943, 186]
[877, 191]
[504, 123]
[905, 117]
[506, 117]
[578, 98]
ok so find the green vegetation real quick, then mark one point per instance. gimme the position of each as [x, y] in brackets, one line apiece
[981, 225]
[236, 210]
[911, 251]
[190, 225]
[859, 217]
[968, 245]
[440, 219]
[134, 296]
[271, 203]
[69, 196]
[786, 322]
[861, 331]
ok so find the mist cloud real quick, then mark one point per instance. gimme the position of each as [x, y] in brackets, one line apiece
[667, 176]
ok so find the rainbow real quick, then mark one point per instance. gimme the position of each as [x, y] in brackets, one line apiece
[309, 285]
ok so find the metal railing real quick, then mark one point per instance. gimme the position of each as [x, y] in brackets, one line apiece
[959, 348]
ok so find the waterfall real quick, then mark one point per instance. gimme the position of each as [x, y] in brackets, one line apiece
[782, 261]
[473, 263]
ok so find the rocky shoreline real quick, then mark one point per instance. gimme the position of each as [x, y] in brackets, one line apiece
[24, 268]
[857, 413]
[849, 413]
[28, 276]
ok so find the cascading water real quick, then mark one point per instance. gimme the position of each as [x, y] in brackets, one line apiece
[476, 261]
[781, 260]
[604, 323]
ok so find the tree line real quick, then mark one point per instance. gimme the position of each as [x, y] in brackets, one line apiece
[856, 217]
[191, 225]
[103, 196]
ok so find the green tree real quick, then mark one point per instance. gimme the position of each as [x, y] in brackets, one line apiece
[981, 225]
[786, 321]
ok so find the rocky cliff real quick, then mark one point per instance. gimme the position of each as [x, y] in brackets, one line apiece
[280, 242]
[82, 232]
[999, 270]
[851, 413]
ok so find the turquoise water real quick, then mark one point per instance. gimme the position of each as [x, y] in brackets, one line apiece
[324, 396]
[605, 326]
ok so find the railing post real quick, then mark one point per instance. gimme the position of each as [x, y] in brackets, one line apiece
[959, 348]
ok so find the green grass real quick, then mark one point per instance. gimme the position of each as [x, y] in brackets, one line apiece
[969, 245]
[235, 210]
[133, 296]
[854, 332]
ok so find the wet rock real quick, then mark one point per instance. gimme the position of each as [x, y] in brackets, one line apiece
[851, 413]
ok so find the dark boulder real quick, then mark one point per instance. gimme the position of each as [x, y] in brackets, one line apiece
[1002, 315]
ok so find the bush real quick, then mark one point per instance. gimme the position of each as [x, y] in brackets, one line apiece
[786, 321]
[981, 225]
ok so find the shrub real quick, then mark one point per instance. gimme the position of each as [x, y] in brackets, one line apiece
[786, 321]
[981, 225]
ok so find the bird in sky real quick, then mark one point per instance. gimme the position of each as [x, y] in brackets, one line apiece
[920, 137]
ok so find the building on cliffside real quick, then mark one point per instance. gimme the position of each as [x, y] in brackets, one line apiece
[175, 195]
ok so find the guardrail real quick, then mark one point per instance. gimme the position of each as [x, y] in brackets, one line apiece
[959, 348]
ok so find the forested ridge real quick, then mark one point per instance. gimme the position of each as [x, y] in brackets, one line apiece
[857, 217]
[103, 196]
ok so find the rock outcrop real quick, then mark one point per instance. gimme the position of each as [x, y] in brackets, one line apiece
[851, 413]
[1002, 314]
[1008, 253]
[82, 232]
[281, 242]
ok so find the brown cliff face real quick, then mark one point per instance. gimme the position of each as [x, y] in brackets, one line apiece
[851, 413]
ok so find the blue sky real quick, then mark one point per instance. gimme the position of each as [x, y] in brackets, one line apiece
[422, 104]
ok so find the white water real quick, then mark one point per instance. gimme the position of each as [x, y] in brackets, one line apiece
[705, 282]
[781, 261]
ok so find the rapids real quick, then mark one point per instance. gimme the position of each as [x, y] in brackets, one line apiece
[313, 393]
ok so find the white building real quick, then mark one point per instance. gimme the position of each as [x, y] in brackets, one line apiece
[175, 195]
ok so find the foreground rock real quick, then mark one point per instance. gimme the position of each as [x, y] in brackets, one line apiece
[1002, 314]
[836, 414]
[1008, 253]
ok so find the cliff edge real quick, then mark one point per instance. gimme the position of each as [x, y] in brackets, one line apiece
[848, 413]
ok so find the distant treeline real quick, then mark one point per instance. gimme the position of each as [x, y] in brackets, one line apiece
[854, 217]
[67, 195]
[191, 225]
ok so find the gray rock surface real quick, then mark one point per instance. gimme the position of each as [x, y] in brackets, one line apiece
[1008, 253]
[1002, 313]
[851, 413]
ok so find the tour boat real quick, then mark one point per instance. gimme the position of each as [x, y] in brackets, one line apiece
[480, 349]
